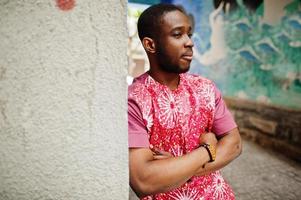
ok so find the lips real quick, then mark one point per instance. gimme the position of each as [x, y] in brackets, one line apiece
[188, 55]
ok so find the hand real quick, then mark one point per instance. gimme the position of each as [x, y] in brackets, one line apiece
[208, 138]
[158, 154]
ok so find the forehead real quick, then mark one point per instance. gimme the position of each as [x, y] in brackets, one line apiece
[174, 19]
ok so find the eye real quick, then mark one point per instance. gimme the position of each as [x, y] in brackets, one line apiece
[190, 35]
[177, 34]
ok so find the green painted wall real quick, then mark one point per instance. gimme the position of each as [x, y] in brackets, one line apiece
[265, 60]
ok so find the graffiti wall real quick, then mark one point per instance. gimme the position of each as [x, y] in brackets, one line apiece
[251, 49]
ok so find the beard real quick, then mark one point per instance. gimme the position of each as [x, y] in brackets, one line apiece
[166, 64]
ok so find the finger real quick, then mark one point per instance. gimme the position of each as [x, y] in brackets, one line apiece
[160, 152]
[156, 152]
[161, 157]
[165, 153]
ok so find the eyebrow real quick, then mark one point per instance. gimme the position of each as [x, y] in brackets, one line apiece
[181, 27]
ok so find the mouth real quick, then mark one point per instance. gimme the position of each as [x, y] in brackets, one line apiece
[188, 56]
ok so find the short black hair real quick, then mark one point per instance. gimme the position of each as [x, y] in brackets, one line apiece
[150, 19]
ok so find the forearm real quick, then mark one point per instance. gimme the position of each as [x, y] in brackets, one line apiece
[166, 174]
[228, 148]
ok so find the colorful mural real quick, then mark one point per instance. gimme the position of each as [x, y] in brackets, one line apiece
[248, 50]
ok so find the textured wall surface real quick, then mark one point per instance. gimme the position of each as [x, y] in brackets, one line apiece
[63, 130]
[273, 127]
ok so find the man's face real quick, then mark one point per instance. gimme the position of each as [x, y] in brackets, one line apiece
[174, 44]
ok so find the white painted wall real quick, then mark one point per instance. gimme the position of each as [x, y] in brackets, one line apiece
[63, 123]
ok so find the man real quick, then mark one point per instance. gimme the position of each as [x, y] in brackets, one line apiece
[175, 118]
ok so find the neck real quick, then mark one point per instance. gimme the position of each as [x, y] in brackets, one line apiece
[171, 80]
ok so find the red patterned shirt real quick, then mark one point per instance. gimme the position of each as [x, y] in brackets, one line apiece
[172, 121]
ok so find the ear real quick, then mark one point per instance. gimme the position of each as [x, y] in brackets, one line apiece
[149, 45]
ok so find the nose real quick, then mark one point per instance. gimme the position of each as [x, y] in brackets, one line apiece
[188, 42]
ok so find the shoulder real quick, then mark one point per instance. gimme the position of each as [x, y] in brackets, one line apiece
[138, 86]
[198, 81]
[194, 78]
[138, 90]
[203, 90]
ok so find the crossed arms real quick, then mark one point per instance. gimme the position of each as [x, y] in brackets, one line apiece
[151, 173]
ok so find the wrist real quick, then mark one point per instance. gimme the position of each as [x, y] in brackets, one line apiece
[211, 150]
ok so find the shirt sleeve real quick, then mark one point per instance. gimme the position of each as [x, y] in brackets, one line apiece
[137, 133]
[223, 121]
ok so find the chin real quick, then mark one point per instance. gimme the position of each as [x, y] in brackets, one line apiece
[184, 69]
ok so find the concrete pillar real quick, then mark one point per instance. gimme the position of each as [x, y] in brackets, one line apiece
[63, 122]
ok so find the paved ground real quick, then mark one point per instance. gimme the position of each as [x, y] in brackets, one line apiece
[260, 174]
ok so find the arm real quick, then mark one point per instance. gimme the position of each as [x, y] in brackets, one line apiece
[225, 128]
[149, 172]
[150, 176]
[228, 148]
